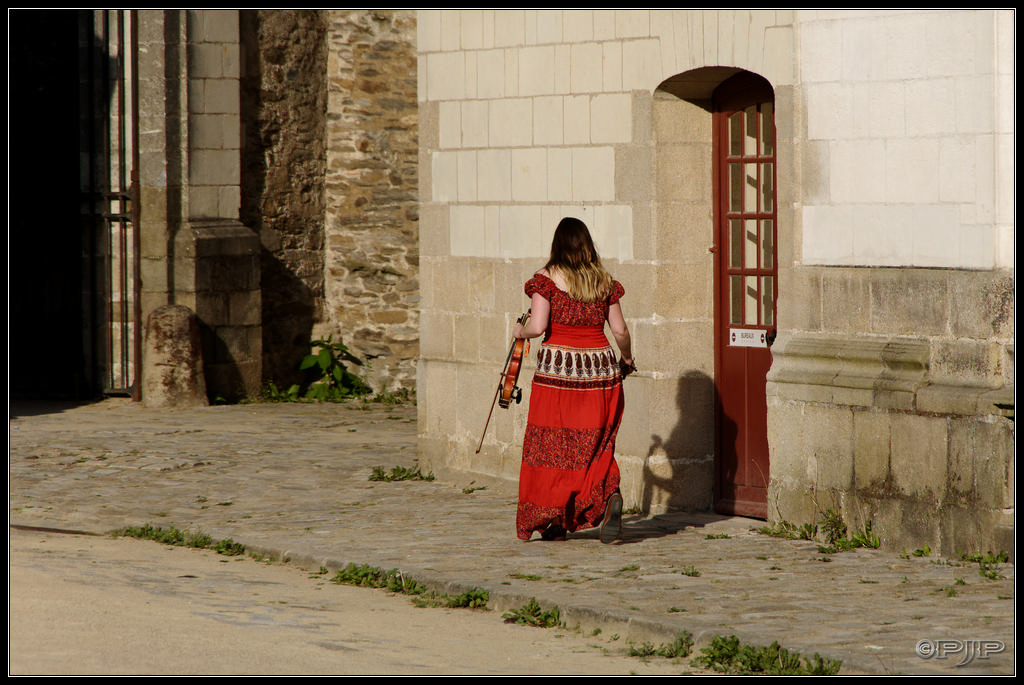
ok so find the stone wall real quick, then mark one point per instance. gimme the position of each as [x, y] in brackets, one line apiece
[284, 93]
[330, 185]
[371, 228]
[891, 402]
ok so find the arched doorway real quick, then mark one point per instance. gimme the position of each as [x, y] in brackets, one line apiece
[718, 124]
[746, 278]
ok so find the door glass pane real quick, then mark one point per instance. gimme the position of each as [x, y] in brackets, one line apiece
[767, 301]
[735, 243]
[767, 244]
[750, 243]
[735, 146]
[767, 191]
[750, 134]
[750, 303]
[750, 196]
[735, 299]
[735, 187]
[767, 129]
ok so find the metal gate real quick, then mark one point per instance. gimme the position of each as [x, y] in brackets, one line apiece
[110, 101]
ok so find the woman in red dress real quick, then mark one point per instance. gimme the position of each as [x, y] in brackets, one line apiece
[569, 479]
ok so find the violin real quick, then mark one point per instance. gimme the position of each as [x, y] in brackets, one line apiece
[513, 365]
[508, 388]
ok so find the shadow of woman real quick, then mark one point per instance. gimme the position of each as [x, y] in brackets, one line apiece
[679, 472]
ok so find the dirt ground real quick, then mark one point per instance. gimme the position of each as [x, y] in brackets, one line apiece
[91, 605]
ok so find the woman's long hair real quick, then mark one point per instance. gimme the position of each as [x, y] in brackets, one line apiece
[574, 255]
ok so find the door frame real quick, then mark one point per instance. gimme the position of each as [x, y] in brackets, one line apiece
[740, 90]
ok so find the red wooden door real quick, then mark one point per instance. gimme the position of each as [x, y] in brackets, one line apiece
[746, 275]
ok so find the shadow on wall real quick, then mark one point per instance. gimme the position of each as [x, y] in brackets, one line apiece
[288, 316]
[679, 471]
[283, 106]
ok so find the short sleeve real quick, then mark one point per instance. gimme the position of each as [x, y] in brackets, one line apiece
[540, 284]
[617, 292]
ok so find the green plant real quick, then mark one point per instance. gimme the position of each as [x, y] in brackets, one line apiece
[785, 529]
[833, 527]
[395, 581]
[532, 615]
[525, 576]
[643, 650]
[470, 599]
[835, 532]
[178, 538]
[272, 393]
[328, 376]
[367, 576]
[680, 648]
[988, 564]
[866, 537]
[925, 551]
[727, 655]
[228, 548]
[399, 473]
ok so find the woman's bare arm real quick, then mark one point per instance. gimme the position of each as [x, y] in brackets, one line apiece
[620, 331]
[540, 312]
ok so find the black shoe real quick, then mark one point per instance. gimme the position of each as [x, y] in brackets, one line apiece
[612, 524]
[553, 533]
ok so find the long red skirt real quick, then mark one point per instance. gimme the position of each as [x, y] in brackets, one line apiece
[576, 402]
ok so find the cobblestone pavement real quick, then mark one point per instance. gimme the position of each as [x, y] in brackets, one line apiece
[292, 481]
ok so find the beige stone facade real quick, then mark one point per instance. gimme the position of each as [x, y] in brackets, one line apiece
[891, 391]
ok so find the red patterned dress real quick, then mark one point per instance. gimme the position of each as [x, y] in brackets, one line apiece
[576, 401]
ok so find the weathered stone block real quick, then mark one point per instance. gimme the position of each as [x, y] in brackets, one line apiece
[872, 439]
[173, 370]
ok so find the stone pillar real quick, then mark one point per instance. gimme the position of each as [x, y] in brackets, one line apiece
[228, 303]
[173, 372]
[194, 250]
[226, 252]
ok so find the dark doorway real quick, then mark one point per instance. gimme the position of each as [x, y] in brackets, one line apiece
[46, 339]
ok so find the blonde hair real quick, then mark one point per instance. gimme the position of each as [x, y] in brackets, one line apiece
[573, 254]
